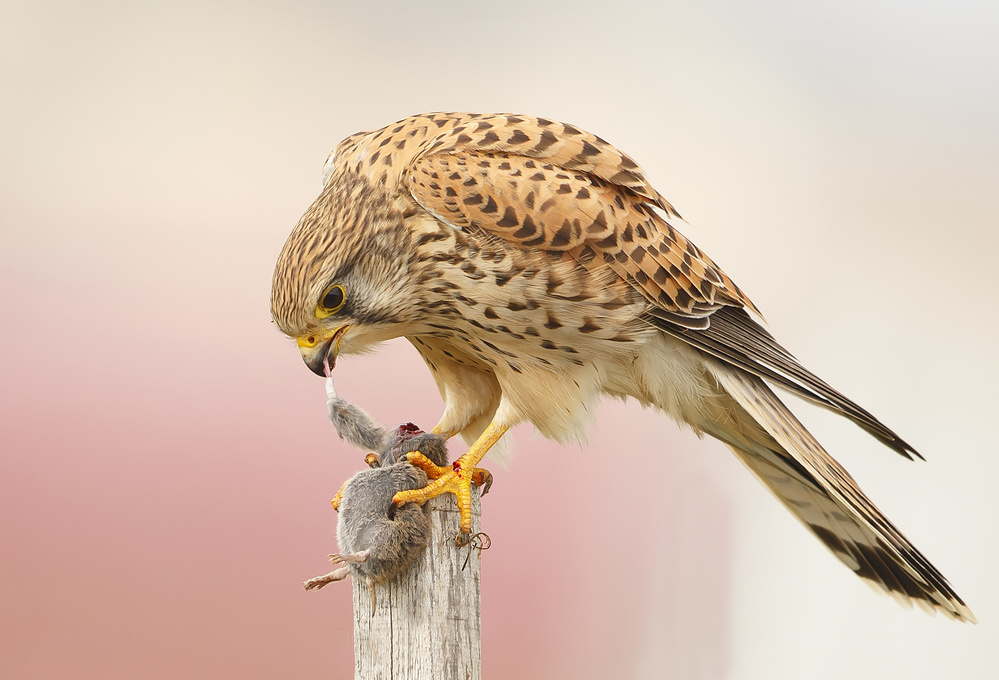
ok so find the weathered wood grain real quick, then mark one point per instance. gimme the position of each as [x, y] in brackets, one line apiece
[425, 624]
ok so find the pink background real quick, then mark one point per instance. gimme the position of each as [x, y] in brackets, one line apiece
[166, 465]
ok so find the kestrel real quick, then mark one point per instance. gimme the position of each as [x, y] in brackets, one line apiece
[533, 267]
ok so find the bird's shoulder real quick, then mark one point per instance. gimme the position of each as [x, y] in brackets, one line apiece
[544, 185]
[385, 156]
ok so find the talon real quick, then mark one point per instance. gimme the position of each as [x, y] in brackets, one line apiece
[483, 479]
[373, 460]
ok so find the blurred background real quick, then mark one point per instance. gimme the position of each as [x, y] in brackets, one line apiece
[167, 465]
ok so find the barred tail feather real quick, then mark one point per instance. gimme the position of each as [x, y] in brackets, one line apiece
[778, 449]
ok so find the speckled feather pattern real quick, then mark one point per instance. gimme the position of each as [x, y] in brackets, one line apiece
[541, 184]
[535, 269]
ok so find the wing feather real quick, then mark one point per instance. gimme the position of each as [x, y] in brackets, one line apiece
[558, 144]
[544, 185]
[823, 495]
[537, 205]
[737, 339]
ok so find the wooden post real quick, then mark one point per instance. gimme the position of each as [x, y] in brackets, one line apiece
[426, 622]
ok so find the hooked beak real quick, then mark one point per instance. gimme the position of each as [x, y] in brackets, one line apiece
[319, 352]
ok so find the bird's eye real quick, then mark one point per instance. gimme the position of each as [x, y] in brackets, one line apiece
[332, 301]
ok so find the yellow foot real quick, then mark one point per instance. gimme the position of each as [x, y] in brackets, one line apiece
[456, 479]
[481, 477]
[339, 496]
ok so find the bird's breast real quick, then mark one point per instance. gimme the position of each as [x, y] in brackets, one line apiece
[548, 329]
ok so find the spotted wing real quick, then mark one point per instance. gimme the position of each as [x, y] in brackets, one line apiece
[548, 186]
[552, 142]
[536, 204]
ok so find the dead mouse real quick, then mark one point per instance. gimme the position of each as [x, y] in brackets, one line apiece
[377, 539]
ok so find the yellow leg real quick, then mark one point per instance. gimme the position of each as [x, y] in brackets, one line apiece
[458, 479]
[447, 434]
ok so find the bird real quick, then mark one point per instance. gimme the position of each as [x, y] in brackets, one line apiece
[536, 270]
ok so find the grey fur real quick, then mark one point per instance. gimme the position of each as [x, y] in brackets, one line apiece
[377, 539]
[407, 438]
[370, 521]
[355, 426]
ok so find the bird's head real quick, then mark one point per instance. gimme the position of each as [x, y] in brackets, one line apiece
[343, 281]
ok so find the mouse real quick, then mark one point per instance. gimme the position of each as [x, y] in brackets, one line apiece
[378, 540]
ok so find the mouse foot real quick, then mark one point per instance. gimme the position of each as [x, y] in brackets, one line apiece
[320, 581]
[356, 558]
